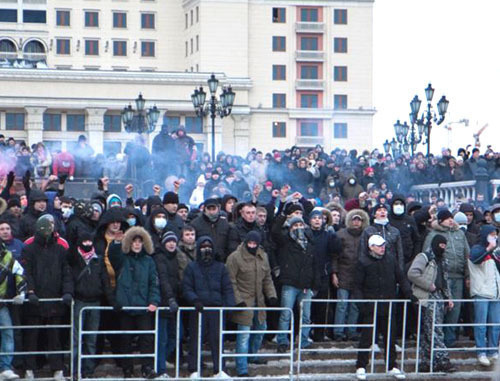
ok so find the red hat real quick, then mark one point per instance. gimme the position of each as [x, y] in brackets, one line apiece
[277, 155]
[268, 183]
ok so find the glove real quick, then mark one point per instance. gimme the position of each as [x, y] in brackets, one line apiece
[272, 302]
[241, 304]
[276, 271]
[117, 307]
[18, 299]
[413, 299]
[26, 180]
[33, 299]
[10, 179]
[67, 299]
[172, 304]
[62, 179]
[198, 306]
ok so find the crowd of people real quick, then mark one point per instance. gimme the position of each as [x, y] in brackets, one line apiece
[268, 230]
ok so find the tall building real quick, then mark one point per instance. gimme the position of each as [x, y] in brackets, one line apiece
[301, 70]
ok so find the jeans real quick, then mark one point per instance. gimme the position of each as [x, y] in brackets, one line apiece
[7, 336]
[451, 317]
[289, 296]
[345, 313]
[166, 341]
[90, 322]
[486, 311]
[248, 343]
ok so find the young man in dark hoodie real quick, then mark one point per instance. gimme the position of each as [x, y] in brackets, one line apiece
[171, 204]
[36, 207]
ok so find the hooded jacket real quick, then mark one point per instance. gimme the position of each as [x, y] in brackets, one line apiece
[484, 267]
[351, 191]
[457, 249]
[218, 231]
[137, 283]
[167, 266]
[28, 220]
[207, 283]
[150, 227]
[344, 262]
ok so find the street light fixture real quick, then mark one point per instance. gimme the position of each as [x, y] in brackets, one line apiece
[140, 120]
[213, 107]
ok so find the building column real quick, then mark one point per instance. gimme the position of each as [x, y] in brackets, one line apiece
[34, 124]
[241, 133]
[207, 129]
[94, 125]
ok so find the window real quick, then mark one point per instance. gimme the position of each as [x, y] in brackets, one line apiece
[147, 21]
[62, 18]
[91, 19]
[309, 129]
[112, 123]
[279, 72]
[340, 73]
[194, 125]
[279, 130]
[147, 49]
[340, 16]
[309, 43]
[75, 122]
[63, 46]
[192, 47]
[8, 15]
[14, 121]
[197, 43]
[187, 48]
[340, 101]
[185, 21]
[36, 17]
[197, 14]
[309, 100]
[279, 15]
[279, 44]
[119, 20]
[172, 122]
[309, 72]
[192, 17]
[279, 100]
[120, 48]
[340, 130]
[309, 14]
[340, 45]
[92, 47]
[110, 147]
[51, 122]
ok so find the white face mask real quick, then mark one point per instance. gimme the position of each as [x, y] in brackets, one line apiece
[492, 240]
[352, 181]
[160, 223]
[497, 217]
[398, 209]
[67, 212]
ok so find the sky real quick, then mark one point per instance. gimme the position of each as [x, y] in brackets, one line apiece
[455, 45]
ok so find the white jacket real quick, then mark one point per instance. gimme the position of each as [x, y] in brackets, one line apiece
[484, 279]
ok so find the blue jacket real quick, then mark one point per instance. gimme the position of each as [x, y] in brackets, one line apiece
[478, 251]
[207, 283]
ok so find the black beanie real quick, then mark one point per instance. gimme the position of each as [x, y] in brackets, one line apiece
[293, 207]
[253, 236]
[436, 241]
[444, 214]
[13, 202]
[183, 206]
[170, 198]
[379, 206]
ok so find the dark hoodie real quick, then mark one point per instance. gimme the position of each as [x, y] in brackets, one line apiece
[407, 229]
[478, 252]
[153, 231]
[28, 220]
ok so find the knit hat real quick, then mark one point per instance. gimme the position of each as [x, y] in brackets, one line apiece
[467, 208]
[13, 202]
[253, 236]
[421, 216]
[168, 236]
[315, 213]
[293, 207]
[376, 240]
[460, 218]
[170, 198]
[182, 206]
[96, 205]
[377, 207]
[113, 198]
[444, 214]
[295, 220]
[211, 201]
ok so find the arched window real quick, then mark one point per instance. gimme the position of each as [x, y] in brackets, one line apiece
[7, 46]
[34, 47]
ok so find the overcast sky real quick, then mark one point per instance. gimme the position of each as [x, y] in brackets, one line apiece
[455, 45]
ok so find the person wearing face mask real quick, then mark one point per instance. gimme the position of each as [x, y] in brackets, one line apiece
[495, 213]
[428, 274]
[484, 267]
[79, 221]
[391, 235]
[250, 274]
[351, 188]
[209, 223]
[48, 275]
[157, 225]
[456, 254]
[207, 283]
[91, 284]
[133, 217]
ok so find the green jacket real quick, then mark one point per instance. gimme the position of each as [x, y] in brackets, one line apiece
[10, 267]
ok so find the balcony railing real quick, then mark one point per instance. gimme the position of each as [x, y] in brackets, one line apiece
[310, 27]
[34, 56]
[310, 55]
[310, 84]
[8, 55]
[309, 140]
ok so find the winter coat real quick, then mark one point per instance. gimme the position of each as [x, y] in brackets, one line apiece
[394, 245]
[75, 227]
[345, 261]
[207, 283]
[457, 249]
[153, 231]
[218, 231]
[484, 268]
[48, 275]
[175, 224]
[185, 255]
[29, 218]
[11, 271]
[137, 282]
[251, 279]
[351, 191]
[326, 246]
[167, 267]
[239, 230]
[64, 164]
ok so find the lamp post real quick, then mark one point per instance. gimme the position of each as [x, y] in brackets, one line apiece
[424, 122]
[408, 137]
[140, 120]
[213, 107]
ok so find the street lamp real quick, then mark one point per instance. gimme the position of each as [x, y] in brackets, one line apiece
[140, 120]
[407, 136]
[213, 107]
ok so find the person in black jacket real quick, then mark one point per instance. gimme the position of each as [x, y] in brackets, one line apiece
[298, 275]
[206, 282]
[171, 204]
[91, 284]
[36, 207]
[245, 217]
[80, 222]
[48, 275]
[167, 267]
[377, 277]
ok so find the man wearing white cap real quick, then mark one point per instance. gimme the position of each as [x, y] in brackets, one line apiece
[377, 276]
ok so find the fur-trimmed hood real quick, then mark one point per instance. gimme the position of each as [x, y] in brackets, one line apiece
[436, 226]
[364, 217]
[133, 232]
[332, 205]
[3, 205]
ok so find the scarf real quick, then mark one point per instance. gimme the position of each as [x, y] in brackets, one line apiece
[87, 256]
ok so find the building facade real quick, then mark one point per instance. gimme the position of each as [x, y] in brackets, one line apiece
[301, 70]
